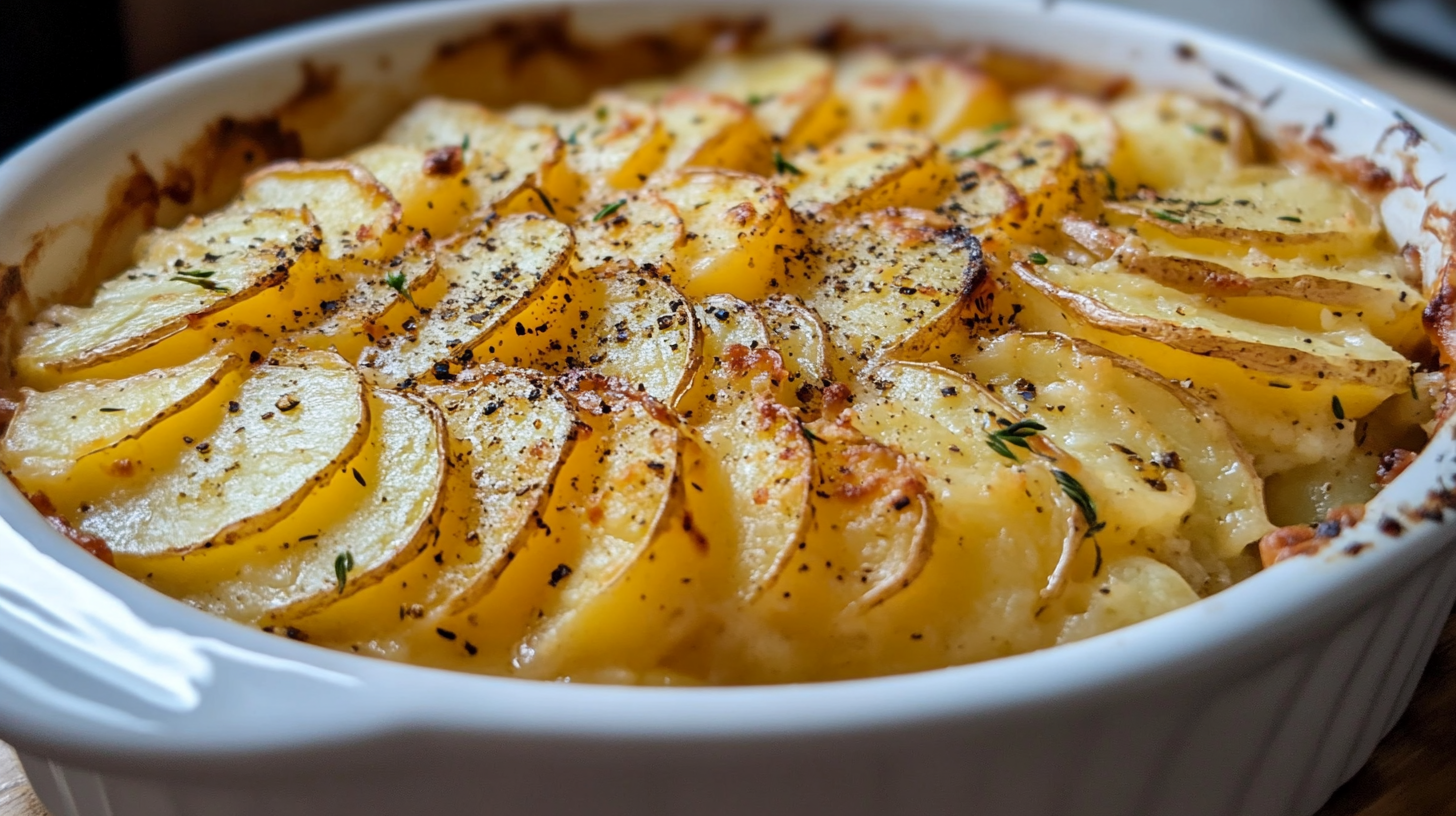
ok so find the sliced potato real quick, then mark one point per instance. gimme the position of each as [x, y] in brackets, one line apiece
[1158, 458]
[1136, 588]
[1177, 140]
[859, 172]
[349, 322]
[1374, 283]
[510, 431]
[620, 568]
[620, 321]
[53, 430]
[801, 338]
[1281, 214]
[613, 141]
[1109, 297]
[1099, 140]
[945, 422]
[433, 190]
[982, 200]
[871, 531]
[879, 92]
[638, 227]
[499, 158]
[187, 274]
[711, 130]
[357, 216]
[371, 520]
[295, 425]
[889, 282]
[959, 97]
[734, 222]
[725, 321]
[1041, 166]
[790, 92]
[759, 465]
[492, 275]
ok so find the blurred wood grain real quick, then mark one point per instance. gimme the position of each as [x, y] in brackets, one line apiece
[1413, 771]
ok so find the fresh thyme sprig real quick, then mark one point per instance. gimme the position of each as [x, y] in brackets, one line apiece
[1001, 439]
[396, 281]
[1078, 494]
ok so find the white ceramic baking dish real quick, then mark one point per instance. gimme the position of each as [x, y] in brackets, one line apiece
[1257, 702]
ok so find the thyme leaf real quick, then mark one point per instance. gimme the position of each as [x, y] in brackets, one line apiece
[1078, 494]
[608, 210]
[343, 563]
[782, 166]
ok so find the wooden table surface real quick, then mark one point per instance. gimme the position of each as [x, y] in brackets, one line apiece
[1413, 771]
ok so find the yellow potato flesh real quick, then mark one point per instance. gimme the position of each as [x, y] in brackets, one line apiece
[366, 523]
[295, 425]
[54, 429]
[732, 225]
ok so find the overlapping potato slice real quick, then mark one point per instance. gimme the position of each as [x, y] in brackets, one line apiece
[53, 430]
[499, 158]
[183, 275]
[1042, 168]
[1135, 589]
[1289, 403]
[618, 320]
[888, 282]
[1158, 458]
[758, 467]
[802, 340]
[860, 171]
[613, 140]
[1099, 140]
[357, 216]
[871, 528]
[1111, 298]
[947, 425]
[510, 431]
[620, 569]
[367, 523]
[638, 227]
[469, 598]
[433, 190]
[1281, 214]
[358, 317]
[1373, 283]
[879, 92]
[290, 429]
[790, 92]
[1176, 140]
[734, 223]
[711, 130]
[491, 275]
[958, 96]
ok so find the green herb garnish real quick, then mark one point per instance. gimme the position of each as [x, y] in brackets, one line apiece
[465, 143]
[1293, 219]
[395, 281]
[998, 127]
[202, 282]
[809, 435]
[1078, 494]
[342, 565]
[1214, 203]
[1016, 434]
[608, 210]
[754, 100]
[1037, 258]
[1337, 407]
[975, 152]
[198, 273]
[1111, 184]
[1167, 216]
[782, 166]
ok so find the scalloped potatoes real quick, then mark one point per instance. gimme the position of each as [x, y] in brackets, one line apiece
[800, 366]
